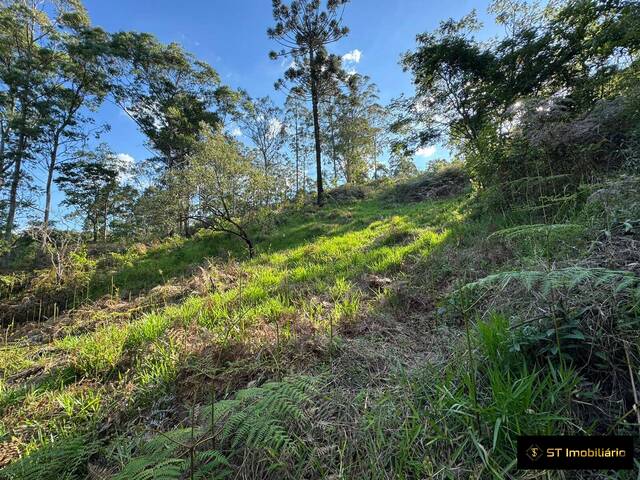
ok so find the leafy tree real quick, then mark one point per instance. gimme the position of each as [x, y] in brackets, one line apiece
[123, 222]
[298, 118]
[470, 92]
[92, 189]
[379, 122]
[355, 140]
[49, 71]
[154, 213]
[303, 30]
[453, 75]
[29, 33]
[261, 121]
[229, 187]
[402, 165]
[329, 124]
[79, 81]
[170, 95]
[167, 92]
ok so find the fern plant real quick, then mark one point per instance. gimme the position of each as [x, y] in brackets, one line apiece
[173, 455]
[258, 420]
[569, 277]
[66, 458]
[536, 229]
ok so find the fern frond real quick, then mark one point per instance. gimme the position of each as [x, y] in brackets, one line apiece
[64, 458]
[569, 277]
[258, 418]
[536, 229]
[213, 465]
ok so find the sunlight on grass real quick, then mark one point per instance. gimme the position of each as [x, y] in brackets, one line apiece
[277, 283]
[311, 271]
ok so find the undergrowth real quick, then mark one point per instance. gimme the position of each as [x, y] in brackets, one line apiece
[269, 365]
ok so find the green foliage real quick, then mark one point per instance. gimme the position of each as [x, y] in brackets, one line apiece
[92, 189]
[256, 421]
[538, 229]
[169, 93]
[563, 371]
[230, 188]
[143, 267]
[565, 278]
[355, 137]
[65, 458]
[159, 459]
[463, 419]
[524, 105]
[11, 282]
[534, 114]
[440, 181]
[548, 241]
[98, 354]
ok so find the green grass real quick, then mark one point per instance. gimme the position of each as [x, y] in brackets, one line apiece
[307, 269]
[309, 282]
[141, 268]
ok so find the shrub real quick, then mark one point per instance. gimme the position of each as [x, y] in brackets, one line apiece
[441, 181]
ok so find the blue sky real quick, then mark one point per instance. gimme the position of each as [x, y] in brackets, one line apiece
[231, 36]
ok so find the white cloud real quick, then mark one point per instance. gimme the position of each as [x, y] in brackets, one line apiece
[125, 161]
[275, 127]
[352, 57]
[125, 164]
[236, 132]
[427, 151]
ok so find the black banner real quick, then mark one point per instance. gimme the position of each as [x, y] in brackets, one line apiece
[555, 452]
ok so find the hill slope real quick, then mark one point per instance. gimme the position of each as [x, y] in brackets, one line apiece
[370, 336]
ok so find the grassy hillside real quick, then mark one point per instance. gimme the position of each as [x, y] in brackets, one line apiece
[403, 335]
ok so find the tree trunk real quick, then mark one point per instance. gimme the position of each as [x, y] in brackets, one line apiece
[316, 129]
[333, 154]
[104, 224]
[375, 160]
[51, 168]
[265, 161]
[297, 159]
[249, 243]
[4, 134]
[13, 194]
[186, 219]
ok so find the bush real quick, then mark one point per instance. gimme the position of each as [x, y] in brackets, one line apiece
[347, 193]
[441, 181]
[550, 147]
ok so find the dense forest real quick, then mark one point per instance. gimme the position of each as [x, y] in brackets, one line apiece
[301, 300]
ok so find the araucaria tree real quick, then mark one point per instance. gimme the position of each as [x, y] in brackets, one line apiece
[304, 30]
